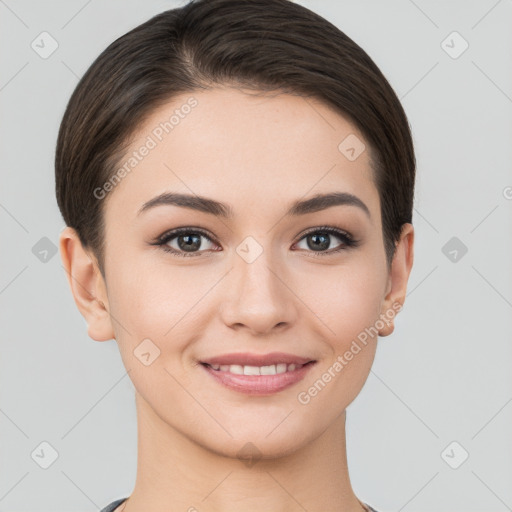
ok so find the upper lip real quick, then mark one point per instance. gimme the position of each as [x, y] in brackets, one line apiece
[247, 359]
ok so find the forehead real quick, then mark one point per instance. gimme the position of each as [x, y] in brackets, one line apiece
[244, 149]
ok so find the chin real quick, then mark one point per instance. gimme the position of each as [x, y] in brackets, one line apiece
[257, 445]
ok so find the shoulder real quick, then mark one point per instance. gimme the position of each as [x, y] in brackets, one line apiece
[113, 505]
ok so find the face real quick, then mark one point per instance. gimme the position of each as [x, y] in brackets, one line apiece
[262, 279]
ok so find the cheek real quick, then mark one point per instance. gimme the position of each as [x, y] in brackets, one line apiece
[348, 306]
[152, 311]
[346, 300]
[157, 302]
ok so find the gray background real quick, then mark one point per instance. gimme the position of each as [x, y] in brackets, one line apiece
[443, 376]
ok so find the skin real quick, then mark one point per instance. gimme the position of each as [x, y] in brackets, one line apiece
[259, 154]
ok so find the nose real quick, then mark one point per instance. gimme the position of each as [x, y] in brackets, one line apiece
[257, 296]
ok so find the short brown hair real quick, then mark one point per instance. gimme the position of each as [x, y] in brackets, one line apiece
[263, 45]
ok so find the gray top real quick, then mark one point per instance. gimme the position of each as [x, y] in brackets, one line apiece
[115, 504]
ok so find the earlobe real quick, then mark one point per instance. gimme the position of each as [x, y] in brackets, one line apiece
[87, 285]
[398, 279]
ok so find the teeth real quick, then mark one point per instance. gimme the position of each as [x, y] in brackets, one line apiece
[273, 369]
[236, 368]
[280, 368]
[251, 370]
[268, 370]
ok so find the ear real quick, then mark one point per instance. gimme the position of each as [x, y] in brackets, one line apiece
[398, 278]
[87, 285]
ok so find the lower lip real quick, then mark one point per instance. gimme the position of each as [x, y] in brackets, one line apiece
[259, 384]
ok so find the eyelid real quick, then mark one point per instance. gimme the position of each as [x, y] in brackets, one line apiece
[187, 229]
[329, 229]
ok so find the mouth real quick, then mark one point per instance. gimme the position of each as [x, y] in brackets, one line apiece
[272, 369]
[274, 373]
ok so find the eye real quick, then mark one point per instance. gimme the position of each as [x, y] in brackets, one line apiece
[318, 240]
[186, 241]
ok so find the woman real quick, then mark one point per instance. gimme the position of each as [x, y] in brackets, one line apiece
[237, 180]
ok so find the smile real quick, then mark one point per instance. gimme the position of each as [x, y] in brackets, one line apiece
[272, 369]
[258, 380]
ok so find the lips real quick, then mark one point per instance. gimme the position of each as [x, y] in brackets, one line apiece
[258, 374]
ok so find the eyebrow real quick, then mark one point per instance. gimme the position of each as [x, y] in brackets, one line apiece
[211, 206]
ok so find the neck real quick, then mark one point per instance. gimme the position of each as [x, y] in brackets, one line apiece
[176, 474]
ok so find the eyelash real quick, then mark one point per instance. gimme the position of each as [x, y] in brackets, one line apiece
[347, 239]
